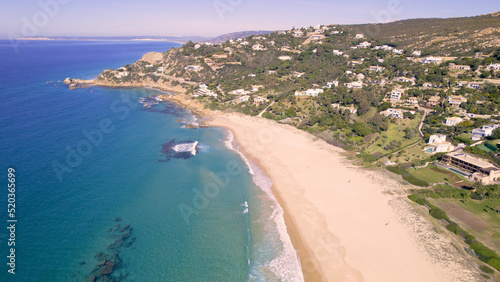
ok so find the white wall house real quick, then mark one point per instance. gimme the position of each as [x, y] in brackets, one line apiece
[453, 121]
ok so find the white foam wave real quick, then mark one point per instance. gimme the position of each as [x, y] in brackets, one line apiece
[186, 147]
[286, 265]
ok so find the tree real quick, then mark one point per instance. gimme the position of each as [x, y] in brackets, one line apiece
[495, 134]
[290, 112]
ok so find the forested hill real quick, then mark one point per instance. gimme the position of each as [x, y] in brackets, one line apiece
[451, 36]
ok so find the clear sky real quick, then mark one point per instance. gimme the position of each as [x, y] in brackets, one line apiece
[211, 17]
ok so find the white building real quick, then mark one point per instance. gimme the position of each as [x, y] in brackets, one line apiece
[438, 144]
[193, 67]
[453, 121]
[333, 83]
[431, 60]
[398, 51]
[416, 53]
[258, 47]
[204, 91]
[338, 53]
[354, 85]
[309, 92]
[484, 131]
[285, 58]
[364, 44]
[376, 68]
[359, 36]
[244, 98]
[396, 94]
[493, 67]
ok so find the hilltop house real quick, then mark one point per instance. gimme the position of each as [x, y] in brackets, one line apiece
[397, 113]
[193, 67]
[493, 67]
[285, 58]
[433, 101]
[453, 121]
[405, 79]
[438, 144]
[456, 100]
[309, 92]
[338, 53]
[258, 47]
[376, 68]
[396, 94]
[458, 67]
[484, 131]
[431, 60]
[398, 51]
[364, 44]
[354, 85]
[333, 83]
[316, 37]
[204, 91]
[351, 108]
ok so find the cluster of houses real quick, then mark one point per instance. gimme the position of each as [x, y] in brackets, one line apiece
[204, 91]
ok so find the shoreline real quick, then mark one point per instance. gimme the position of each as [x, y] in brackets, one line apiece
[326, 243]
[334, 236]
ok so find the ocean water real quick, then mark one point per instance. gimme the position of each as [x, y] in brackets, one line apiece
[94, 188]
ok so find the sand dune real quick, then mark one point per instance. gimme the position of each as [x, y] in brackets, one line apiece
[342, 220]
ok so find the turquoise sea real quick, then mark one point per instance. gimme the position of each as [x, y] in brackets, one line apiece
[95, 194]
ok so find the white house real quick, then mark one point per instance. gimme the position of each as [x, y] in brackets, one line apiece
[405, 79]
[431, 60]
[398, 51]
[397, 113]
[396, 94]
[338, 53]
[161, 69]
[438, 144]
[204, 91]
[258, 47]
[333, 83]
[256, 88]
[354, 85]
[359, 36]
[484, 131]
[244, 98]
[364, 44]
[193, 67]
[453, 121]
[416, 53]
[285, 58]
[493, 67]
[309, 92]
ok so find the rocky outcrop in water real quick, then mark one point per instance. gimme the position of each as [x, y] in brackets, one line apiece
[109, 261]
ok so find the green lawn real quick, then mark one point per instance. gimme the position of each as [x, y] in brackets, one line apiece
[433, 174]
[482, 210]
[394, 133]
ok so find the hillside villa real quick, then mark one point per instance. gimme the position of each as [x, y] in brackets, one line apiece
[438, 144]
[480, 170]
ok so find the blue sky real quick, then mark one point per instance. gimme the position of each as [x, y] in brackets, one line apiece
[211, 17]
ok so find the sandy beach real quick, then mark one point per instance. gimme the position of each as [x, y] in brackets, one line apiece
[347, 223]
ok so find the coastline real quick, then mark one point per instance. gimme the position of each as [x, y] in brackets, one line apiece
[333, 239]
[353, 224]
